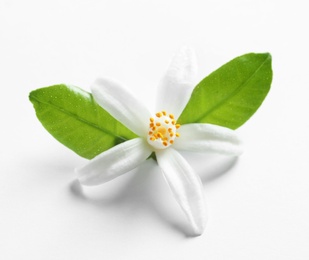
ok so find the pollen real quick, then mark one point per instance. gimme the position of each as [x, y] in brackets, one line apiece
[162, 130]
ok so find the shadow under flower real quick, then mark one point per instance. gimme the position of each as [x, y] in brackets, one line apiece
[145, 189]
[213, 167]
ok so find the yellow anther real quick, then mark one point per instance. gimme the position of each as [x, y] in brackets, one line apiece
[159, 114]
[162, 127]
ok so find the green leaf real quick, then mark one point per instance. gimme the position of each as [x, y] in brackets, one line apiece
[73, 117]
[230, 95]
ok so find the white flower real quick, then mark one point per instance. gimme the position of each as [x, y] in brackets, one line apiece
[161, 134]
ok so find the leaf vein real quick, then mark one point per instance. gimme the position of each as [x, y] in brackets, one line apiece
[78, 118]
[237, 90]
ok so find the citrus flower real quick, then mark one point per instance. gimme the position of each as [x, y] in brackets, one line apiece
[160, 133]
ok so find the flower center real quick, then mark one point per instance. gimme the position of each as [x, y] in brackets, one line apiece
[162, 130]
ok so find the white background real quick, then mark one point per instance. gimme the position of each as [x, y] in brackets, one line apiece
[259, 207]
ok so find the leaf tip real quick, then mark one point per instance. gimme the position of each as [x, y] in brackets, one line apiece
[31, 96]
[268, 56]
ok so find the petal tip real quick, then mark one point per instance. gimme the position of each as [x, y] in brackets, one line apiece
[199, 228]
[81, 177]
[187, 49]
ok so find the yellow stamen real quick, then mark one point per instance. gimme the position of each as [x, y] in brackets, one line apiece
[159, 114]
[162, 127]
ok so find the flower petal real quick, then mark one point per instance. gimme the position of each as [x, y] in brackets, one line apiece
[207, 137]
[114, 162]
[175, 88]
[122, 105]
[186, 187]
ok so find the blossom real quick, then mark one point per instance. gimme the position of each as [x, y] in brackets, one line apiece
[160, 133]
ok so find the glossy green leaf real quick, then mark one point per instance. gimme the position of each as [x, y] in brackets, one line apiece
[230, 95]
[73, 117]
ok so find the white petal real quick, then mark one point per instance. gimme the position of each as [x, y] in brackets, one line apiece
[207, 137]
[186, 187]
[122, 105]
[114, 162]
[175, 88]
